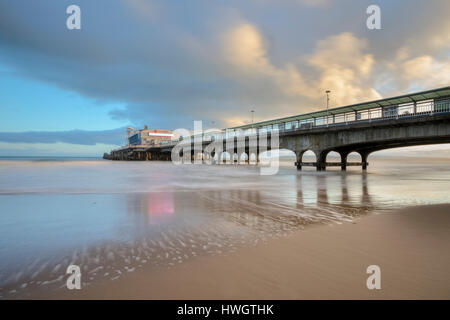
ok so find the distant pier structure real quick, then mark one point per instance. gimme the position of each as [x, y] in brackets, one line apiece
[413, 119]
[139, 143]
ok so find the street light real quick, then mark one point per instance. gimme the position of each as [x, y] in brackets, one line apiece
[252, 111]
[328, 101]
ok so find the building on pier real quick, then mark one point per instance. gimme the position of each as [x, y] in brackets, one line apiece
[148, 137]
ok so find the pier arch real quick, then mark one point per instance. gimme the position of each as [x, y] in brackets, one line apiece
[243, 158]
[253, 159]
[287, 156]
[225, 157]
[354, 156]
[333, 156]
[308, 156]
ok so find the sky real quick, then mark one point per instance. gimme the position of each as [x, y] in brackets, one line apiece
[168, 63]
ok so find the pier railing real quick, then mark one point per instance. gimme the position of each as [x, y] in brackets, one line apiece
[407, 106]
[404, 110]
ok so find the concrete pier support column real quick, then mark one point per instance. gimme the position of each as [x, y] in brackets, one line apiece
[320, 161]
[321, 166]
[298, 157]
[343, 160]
[364, 156]
[257, 153]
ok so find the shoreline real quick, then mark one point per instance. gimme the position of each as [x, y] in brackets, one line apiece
[320, 262]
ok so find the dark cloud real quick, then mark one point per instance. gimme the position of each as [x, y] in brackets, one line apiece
[166, 61]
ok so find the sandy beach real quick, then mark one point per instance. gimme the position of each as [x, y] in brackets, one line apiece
[321, 262]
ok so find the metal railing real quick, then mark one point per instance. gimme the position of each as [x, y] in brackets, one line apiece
[405, 110]
[412, 109]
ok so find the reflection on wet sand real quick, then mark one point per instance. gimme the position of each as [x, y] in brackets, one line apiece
[319, 190]
[151, 208]
[171, 226]
[162, 215]
[305, 199]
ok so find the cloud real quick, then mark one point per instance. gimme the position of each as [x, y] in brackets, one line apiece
[426, 70]
[419, 67]
[52, 149]
[169, 63]
[246, 50]
[78, 137]
[338, 63]
[315, 3]
[407, 72]
[345, 69]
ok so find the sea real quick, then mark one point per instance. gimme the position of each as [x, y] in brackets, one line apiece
[114, 217]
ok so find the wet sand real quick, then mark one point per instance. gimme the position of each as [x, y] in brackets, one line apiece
[411, 247]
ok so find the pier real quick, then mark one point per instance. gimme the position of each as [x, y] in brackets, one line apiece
[414, 119]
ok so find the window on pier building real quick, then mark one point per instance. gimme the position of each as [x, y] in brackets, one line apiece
[295, 124]
[425, 106]
[405, 108]
[329, 119]
[288, 125]
[391, 111]
[375, 113]
[442, 105]
[304, 122]
[135, 139]
[350, 116]
[320, 121]
[362, 115]
[339, 118]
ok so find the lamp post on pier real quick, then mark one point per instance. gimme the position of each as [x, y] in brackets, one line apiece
[328, 102]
